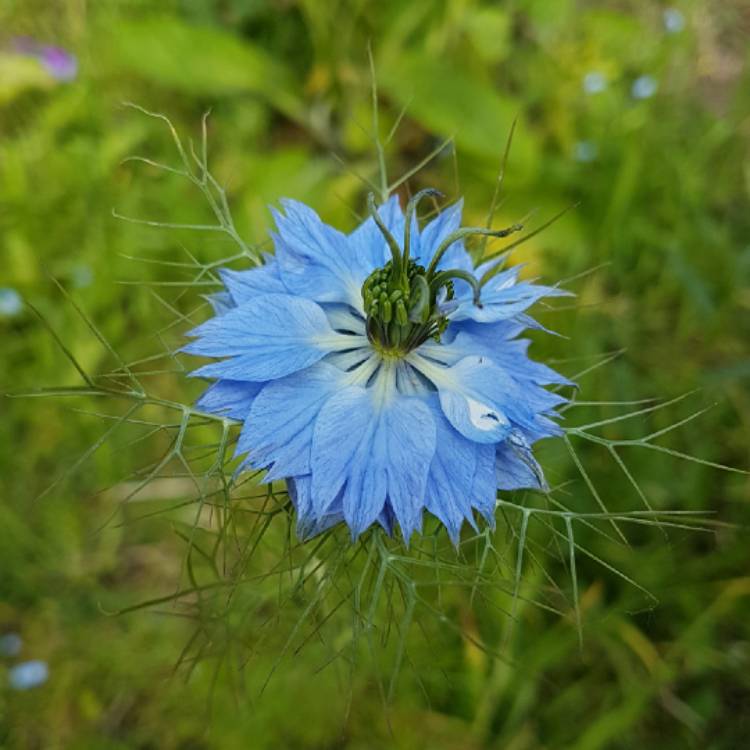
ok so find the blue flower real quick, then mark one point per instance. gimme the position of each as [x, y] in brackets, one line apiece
[380, 383]
[28, 674]
[594, 82]
[585, 151]
[11, 303]
[674, 20]
[644, 87]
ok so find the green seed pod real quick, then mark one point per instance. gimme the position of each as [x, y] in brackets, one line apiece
[396, 295]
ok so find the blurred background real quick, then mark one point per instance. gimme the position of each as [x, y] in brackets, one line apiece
[637, 111]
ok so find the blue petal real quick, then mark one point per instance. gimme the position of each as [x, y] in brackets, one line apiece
[229, 398]
[245, 286]
[279, 427]
[376, 451]
[451, 477]
[272, 336]
[510, 355]
[221, 302]
[367, 243]
[516, 467]
[308, 525]
[315, 260]
[484, 489]
[474, 394]
[504, 297]
[446, 222]
[502, 330]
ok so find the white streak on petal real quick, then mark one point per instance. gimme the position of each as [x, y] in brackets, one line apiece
[484, 417]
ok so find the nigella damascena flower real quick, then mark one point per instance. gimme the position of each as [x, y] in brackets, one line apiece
[376, 374]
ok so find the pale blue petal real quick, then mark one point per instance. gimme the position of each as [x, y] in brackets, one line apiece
[272, 336]
[502, 330]
[342, 427]
[511, 355]
[221, 302]
[244, 286]
[503, 298]
[229, 398]
[342, 318]
[474, 394]
[315, 260]
[484, 489]
[308, 525]
[516, 467]
[445, 223]
[279, 428]
[450, 481]
[367, 243]
[376, 452]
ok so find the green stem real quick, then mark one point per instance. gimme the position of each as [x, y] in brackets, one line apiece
[459, 234]
[411, 208]
[392, 244]
[443, 277]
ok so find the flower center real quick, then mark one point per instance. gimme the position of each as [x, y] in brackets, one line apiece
[402, 309]
[404, 301]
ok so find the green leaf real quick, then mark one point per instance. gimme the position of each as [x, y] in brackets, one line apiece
[451, 101]
[19, 74]
[200, 60]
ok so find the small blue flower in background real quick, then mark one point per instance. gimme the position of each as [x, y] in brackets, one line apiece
[644, 87]
[594, 82]
[380, 382]
[10, 302]
[59, 63]
[82, 276]
[585, 151]
[10, 644]
[28, 674]
[674, 20]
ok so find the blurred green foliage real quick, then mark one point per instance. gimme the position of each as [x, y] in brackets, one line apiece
[662, 223]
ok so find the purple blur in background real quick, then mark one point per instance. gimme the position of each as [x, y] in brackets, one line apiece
[60, 64]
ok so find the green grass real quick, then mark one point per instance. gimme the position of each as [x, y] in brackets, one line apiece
[657, 254]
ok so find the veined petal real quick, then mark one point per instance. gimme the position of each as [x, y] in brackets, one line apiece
[272, 336]
[376, 450]
[474, 394]
[278, 431]
[515, 465]
[450, 481]
[367, 243]
[315, 260]
[229, 398]
[446, 222]
[308, 525]
[484, 488]
[221, 302]
[502, 298]
[246, 285]
[342, 318]
[511, 355]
